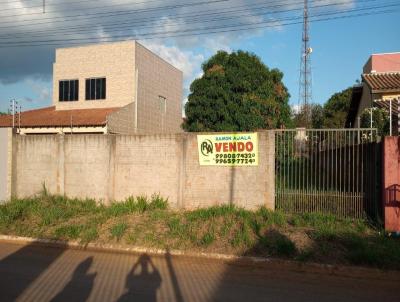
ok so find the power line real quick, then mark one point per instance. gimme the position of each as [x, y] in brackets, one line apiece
[217, 19]
[114, 5]
[193, 19]
[149, 18]
[121, 11]
[130, 3]
[117, 13]
[215, 11]
[189, 32]
[8, 2]
[60, 3]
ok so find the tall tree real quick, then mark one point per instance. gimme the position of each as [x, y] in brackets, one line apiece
[337, 108]
[237, 92]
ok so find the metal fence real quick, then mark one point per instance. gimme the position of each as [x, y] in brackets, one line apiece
[328, 171]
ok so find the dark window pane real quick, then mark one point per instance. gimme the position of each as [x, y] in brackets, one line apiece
[71, 90]
[92, 89]
[103, 90]
[98, 88]
[60, 91]
[66, 90]
[76, 90]
[88, 89]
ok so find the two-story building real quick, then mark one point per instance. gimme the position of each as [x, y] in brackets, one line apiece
[118, 87]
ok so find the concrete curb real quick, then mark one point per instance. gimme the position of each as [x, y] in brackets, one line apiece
[267, 263]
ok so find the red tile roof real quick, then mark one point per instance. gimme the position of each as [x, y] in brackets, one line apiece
[49, 117]
[383, 82]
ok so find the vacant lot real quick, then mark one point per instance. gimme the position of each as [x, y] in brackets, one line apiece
[148, 222]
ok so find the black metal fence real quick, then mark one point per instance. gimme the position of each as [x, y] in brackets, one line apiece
[332, 171]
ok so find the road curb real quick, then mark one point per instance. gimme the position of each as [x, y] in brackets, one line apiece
[267, 263]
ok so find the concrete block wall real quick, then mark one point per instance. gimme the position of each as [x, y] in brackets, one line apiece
[5, 163]
[146, 165]
[247, 187]
[36, 160]
[114, 167]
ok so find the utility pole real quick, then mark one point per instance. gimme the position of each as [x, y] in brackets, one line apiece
[19, 120]
[13, 110]
[44, 6]
[305, 87]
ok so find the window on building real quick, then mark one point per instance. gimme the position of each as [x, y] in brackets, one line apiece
[68, 90]
[163, 104]
[96, 89]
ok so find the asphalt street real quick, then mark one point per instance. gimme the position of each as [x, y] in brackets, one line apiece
[35, 273]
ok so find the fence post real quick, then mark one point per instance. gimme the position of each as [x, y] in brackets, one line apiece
[270, 149]
[181, 176]
[61, 166]
[112, 141]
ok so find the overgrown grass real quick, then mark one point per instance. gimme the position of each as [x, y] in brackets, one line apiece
[118, 230]
[226, 229]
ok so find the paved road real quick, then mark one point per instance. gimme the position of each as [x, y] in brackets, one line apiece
[33, 273]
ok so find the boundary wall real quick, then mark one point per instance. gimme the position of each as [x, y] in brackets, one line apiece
[114, 167]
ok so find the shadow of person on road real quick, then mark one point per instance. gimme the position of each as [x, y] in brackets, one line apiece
[80, 285]
[142, 281]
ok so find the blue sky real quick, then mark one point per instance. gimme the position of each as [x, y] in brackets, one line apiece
[340, 49]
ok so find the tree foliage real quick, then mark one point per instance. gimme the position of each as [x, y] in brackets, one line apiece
[380, 120]
[332, 114]
[337, 108]
[311, 116]
[237, 92]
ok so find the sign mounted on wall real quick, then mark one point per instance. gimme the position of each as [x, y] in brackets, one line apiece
[239, 149]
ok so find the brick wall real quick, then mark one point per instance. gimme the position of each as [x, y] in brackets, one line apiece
[113, 167]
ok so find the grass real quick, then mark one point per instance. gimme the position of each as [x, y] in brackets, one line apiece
[118, 230]
[149, 222]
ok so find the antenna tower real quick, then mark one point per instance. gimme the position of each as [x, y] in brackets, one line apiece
[305, 87]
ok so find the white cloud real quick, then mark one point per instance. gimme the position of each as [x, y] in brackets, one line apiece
[187, 61]
[41, 91]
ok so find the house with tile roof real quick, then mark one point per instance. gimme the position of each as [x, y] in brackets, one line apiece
[120, 88]
[380, 87]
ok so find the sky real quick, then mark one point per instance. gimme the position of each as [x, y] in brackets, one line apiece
[343, 34]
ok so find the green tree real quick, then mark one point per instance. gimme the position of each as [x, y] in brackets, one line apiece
[317, 116]
[237, 92]
[315, 120]
[337, 108]
[380, 120]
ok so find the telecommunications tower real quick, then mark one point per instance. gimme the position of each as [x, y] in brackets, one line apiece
[305, 87]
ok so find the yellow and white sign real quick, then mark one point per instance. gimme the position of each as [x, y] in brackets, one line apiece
[240, 149]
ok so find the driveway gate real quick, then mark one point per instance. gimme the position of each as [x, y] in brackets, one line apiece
[328, 171]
